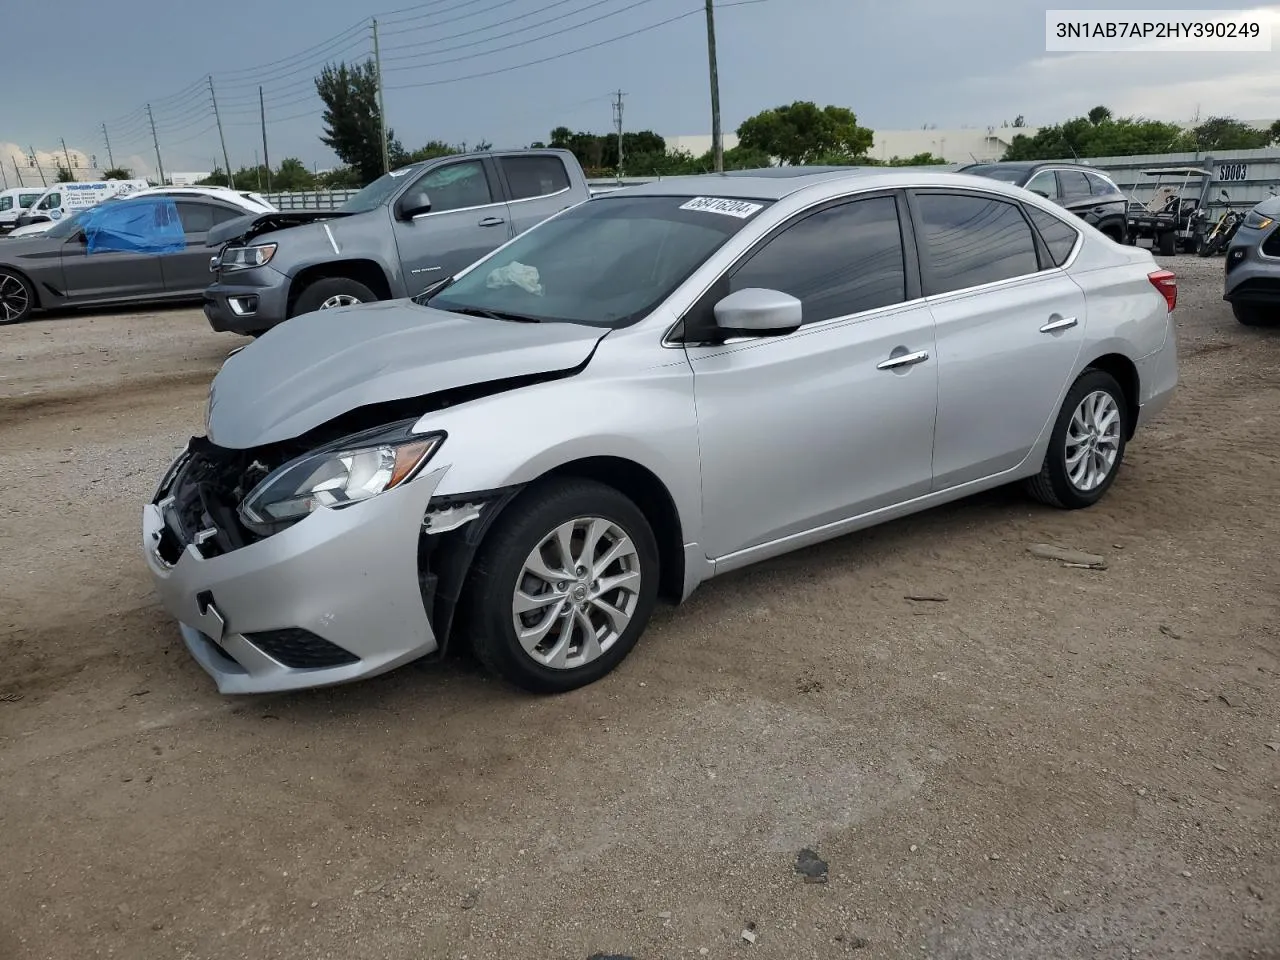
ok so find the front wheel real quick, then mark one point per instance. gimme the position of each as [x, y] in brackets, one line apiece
[563, 586]
[1086, 446]
[17, 300]
[1255, 314]
[331, 292]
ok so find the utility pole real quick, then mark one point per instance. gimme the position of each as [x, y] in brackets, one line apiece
[617, 125]
[262, 111]
[5, 177]
[35, 161]
[111, 161]
[16, 172]
[156, 141]
[218, 117]
[717, 144]
[382, 106]
[62, 140]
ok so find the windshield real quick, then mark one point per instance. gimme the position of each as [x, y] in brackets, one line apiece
[1003, 174]
[377, 193]
[606, 262]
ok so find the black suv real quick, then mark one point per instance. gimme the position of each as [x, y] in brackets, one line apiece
[1084, 191]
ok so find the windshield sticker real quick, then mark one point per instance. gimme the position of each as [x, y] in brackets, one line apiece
[730, 208]
[515, 274]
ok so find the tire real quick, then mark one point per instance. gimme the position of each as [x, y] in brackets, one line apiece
[1167, 244]
[17, 299]
[530, 523]
[331, 288]
[1054, 485]
[1256, 314]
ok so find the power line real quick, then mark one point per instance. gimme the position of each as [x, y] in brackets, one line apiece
[476, 43]
[558, 56]
[528, 40]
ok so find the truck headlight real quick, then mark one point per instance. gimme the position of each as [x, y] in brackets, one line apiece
[336, 476]
[242, 258]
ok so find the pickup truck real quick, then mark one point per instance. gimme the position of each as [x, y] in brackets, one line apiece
[399, 235]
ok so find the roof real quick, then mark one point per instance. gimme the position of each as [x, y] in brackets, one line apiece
[775, 183]
[1032, 164]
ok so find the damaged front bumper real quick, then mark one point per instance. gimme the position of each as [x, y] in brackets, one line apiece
[336, 597]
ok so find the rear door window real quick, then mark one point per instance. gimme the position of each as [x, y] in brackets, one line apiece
[1100, 186]
[967, 240]
[1073, 183]
[195, 217]
[537, 176]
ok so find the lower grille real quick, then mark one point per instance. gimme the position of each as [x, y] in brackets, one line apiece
[300, 649]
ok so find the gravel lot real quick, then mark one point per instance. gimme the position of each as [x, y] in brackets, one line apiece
[1052, 762]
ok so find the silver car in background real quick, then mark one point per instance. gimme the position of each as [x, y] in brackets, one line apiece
[654, 387]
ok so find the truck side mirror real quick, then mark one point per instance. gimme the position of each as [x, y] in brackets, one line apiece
[414, 204]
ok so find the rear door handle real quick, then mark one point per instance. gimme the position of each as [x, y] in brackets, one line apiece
[903, 360]
[491, 222]
[1062, 323]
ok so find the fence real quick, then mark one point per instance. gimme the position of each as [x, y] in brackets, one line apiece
[1249, 176]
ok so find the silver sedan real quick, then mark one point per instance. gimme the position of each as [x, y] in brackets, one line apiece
[656, 386]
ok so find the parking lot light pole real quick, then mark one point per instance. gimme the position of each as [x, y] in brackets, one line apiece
[382, 106]
[155, 140]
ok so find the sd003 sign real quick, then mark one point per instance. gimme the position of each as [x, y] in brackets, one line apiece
[1233, 172]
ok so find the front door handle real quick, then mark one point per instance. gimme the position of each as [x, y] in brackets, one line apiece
[491, 222]
[1062, 323]
[903, 360]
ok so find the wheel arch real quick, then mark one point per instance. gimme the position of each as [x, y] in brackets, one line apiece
[26, 278]
[643, 487]
[1125, 372]
[359, 269]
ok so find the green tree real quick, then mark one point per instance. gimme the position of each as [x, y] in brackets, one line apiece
[1104, 136]
[799, 132]
[1275, 132]
[292, 175]
[1226, 133]
[340, 178]
[117, 173]
[1099, 115]
[428, 151]
[919, 160]
[351, 118]
[64, 175]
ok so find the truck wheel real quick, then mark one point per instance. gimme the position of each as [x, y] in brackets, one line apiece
[1255, 314]
[331, 292]
[1167, 244]
[17, 299]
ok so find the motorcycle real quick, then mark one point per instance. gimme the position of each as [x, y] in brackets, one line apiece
[1219, 235]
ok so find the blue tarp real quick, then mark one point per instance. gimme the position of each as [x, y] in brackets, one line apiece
[144, 225]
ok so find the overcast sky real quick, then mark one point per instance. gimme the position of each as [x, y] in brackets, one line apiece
[898, 65]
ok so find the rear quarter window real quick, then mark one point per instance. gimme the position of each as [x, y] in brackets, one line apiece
[1058, 235]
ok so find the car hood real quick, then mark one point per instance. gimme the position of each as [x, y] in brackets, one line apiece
[319, 366]
[13, 248]
[253, 225]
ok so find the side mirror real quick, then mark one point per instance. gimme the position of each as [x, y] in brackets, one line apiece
[414, 204]
[1225, 195]
[757, 312]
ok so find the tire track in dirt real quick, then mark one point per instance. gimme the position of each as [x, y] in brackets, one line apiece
[100, 400]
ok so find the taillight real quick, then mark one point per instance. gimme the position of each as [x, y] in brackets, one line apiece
[1167, 283]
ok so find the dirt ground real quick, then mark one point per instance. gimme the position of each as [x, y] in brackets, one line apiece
[1052, 762]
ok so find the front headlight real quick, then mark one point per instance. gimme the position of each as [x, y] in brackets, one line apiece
[337, 476]
[242, 258]
[1258, 221]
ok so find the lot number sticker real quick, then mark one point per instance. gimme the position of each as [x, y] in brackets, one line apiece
[730, 208]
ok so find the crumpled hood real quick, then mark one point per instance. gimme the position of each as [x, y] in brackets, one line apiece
[321, 365]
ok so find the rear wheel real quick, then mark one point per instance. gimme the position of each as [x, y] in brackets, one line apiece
[1087, 444]
[17, 299]
[1256, 314]
[1167, 243]
[563, 586]
[331, 292]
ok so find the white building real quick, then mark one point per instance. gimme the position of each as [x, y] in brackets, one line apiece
[964, 145]
[187, 179]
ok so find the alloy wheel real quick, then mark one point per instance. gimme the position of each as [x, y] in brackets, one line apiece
[576, 593]
[1093, 441]
[339, 300]
[14, 299]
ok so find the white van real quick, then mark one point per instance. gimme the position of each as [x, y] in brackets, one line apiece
[13, 202]
[64, 198]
